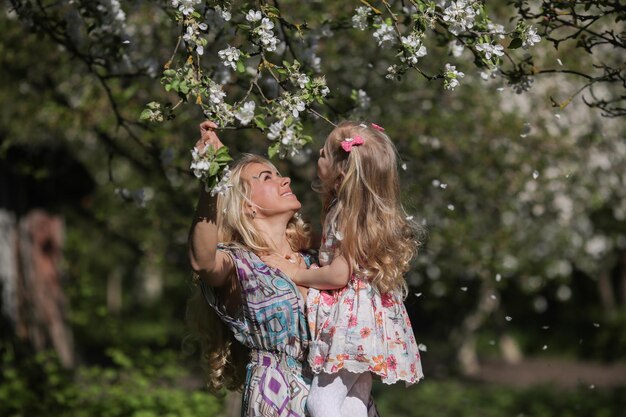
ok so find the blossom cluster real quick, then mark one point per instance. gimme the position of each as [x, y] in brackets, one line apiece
[207, 164]
[186, 7]
[263, 30]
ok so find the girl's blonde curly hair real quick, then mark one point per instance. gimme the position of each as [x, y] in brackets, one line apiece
[361, 196]
[224, 357]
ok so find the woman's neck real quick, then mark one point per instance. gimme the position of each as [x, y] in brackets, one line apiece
[274, 230]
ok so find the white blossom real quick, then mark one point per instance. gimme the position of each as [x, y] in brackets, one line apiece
[216, 94]
[230, 56]
[456, 48]
[224, 14]
[451, 77]
[413, 44]
[489, 73]
[359, 20]
[275, 129]
[254, 16]
[530, 37]
[223, 184]
[460, 15]
[266, 35]
[392, 72]
[186, 7]
[496, 29]
[488, 49]
[384, 35]
[189, 34]
[302, 80]
[362, 99]
[293, 104]
[245, 113]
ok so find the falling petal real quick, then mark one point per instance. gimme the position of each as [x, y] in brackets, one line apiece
[500, 89]
[422, 347]
[535, 174]
[451, 207]
[403, 166]
[126, 42]
[508, 318]
[596, 324]
[545, 327]
[544, 347]
[418, 294]
[592, 386]
[525, 130]
[498, 277]
[493, 297]
[436, 183]
[444, 186]
[559, 61]
[463, 288]
[558, 116]
[492, 342]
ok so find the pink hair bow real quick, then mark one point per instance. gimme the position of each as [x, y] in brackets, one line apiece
[348, 143]
[379, 128]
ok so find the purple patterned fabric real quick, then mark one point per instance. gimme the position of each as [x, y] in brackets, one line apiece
[271, 322]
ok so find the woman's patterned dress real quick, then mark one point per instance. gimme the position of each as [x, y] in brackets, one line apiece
[272, 324]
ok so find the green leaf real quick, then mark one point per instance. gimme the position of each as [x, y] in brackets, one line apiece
[273, 149]
[515, 43]
[259, 122]
[222, 156]
[214, 168]
[240, 67]
[145, 115]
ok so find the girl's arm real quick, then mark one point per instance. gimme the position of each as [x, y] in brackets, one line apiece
[213, 266]
[333, 276]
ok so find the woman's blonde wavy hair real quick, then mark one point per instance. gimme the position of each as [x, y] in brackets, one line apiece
[224, 357]
[361, 195]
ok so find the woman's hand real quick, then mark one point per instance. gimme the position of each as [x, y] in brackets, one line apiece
[208, 136]
[288, 267]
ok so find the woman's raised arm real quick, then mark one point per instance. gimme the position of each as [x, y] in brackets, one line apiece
[213, 266]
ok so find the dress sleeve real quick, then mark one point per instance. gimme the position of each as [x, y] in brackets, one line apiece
[236, 321]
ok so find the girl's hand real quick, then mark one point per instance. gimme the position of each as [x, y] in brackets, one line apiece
[288, 268]
[208, 136]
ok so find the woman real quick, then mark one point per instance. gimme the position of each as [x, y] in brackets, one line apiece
[261, 307]
[245, 313]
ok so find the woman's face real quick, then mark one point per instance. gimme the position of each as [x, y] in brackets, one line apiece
[270, 192]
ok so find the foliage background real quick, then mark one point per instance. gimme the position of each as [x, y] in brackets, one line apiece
[523, 203]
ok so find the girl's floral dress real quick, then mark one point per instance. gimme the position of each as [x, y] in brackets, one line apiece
[358, 329]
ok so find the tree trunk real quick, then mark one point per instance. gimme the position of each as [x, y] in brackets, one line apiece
[466, 353]
[41, 304]
[605, 288]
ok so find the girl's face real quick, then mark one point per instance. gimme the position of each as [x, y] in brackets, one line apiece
[269, 191]
[323, 164]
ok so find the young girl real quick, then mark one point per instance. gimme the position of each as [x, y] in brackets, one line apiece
[361, 326]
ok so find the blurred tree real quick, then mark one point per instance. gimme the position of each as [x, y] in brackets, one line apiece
[521, 191]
